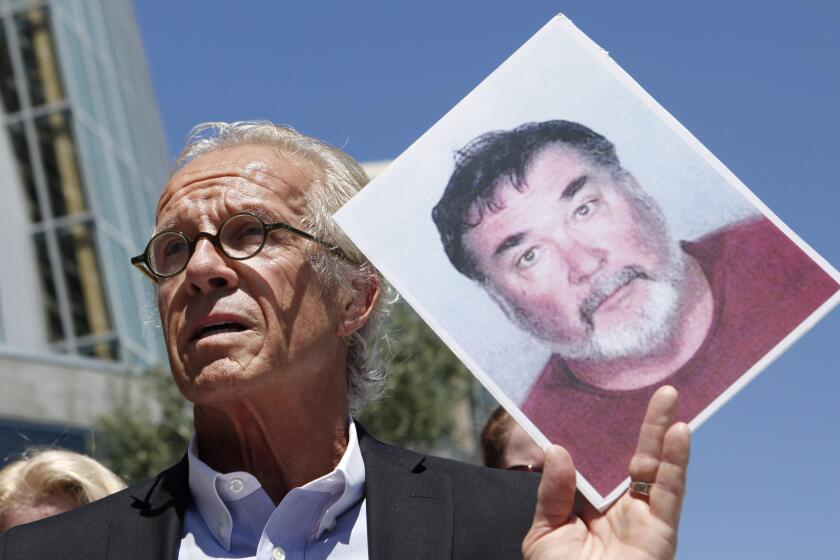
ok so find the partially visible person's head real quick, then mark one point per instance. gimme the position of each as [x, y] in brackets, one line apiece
[51, 481]
[563, 238]
[505, 445]
[295, 307]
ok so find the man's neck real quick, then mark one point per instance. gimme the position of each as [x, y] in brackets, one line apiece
[694, 319]
[284, 447]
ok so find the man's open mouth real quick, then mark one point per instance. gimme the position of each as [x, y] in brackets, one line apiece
[218, 328]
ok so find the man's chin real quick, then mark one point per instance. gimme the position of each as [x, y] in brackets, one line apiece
[597, 351]
[214, 358]
[643, 325]
[621, 342]
[213, 379]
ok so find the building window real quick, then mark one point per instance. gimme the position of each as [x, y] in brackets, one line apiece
[83, 279]
[8, 91]
[49, 293]
[61, 169]
[38, 54]
[99, 347]
[17, 137]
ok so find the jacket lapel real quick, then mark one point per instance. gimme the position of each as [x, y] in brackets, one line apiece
[154, 531]
[409, 507]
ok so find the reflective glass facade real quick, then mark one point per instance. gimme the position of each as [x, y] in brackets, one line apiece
[85, 143]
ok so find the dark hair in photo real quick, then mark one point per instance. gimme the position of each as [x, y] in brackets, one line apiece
[503, 154]
[494, 438]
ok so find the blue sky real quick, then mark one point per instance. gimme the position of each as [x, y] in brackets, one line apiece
[756, 81]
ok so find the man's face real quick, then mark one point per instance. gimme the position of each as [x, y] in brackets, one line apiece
[577, 260]
[236, 328]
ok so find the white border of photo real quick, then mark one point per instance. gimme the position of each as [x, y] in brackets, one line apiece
[390, 219]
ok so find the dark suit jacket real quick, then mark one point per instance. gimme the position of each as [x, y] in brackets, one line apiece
[417, 507]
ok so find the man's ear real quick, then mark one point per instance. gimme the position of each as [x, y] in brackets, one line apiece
[356, 310]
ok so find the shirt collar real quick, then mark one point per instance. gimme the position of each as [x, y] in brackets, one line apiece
[347, 481]
[210, 489]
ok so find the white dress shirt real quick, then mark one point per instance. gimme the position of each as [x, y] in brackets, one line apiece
[231, 515]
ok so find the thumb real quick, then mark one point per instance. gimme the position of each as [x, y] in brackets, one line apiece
[556, 495]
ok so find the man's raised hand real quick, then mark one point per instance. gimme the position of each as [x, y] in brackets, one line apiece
[636, 526]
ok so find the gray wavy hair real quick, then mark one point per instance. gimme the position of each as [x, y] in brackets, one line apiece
[339, 178]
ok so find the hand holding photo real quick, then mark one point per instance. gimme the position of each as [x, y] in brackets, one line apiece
[578, 249]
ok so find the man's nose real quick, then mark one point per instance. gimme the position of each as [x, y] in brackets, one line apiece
[583, 262]
[208, 269]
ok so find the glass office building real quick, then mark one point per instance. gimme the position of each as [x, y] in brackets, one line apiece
[82, 159]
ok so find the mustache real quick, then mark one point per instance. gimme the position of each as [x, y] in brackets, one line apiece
[604, 287]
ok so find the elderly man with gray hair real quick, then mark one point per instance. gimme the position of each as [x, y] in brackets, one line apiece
[273, 324]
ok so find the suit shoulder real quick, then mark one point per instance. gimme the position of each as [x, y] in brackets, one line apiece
[490, 498]
[466, 478]
[38, 537]
[494, 508]
[475, 477]
[83, 531]
[484, 513]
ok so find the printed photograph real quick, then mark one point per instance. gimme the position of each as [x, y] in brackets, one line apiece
[578, 249]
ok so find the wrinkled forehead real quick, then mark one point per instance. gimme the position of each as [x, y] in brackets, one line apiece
[252, 172]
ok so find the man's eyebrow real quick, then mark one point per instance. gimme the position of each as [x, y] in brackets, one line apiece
[509, 242]
[512, 241]
[262, 214]
[573, 187]
[169, 224]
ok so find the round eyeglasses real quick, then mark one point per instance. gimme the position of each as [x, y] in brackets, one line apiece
[240, 237]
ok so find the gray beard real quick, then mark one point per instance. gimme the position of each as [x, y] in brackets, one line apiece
[648, 327]
[606, 287]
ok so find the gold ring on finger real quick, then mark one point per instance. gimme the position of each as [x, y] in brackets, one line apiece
[640, 488]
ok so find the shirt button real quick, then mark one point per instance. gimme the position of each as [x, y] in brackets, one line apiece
[277, 553]
[236, 486]
[221, 531]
